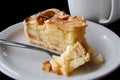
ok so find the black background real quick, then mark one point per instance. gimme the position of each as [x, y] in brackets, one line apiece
[14, 12]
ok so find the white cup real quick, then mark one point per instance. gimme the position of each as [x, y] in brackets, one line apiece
[101, 11]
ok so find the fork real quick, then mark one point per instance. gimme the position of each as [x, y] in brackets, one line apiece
[22, 45]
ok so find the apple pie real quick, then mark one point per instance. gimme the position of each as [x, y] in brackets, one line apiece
[56, 30]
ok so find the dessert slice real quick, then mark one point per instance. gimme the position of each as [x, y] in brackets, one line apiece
[54, 29]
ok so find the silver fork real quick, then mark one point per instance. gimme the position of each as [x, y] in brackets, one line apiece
[22, 45]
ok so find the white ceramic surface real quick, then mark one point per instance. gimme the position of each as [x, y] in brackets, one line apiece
[102, 11]
[24, 64]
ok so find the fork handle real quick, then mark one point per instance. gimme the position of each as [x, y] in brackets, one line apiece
[22, 45]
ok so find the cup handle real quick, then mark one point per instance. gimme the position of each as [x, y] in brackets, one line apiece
[113, 13]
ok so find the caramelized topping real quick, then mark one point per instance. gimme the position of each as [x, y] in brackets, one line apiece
[44, 16]
[60, 18]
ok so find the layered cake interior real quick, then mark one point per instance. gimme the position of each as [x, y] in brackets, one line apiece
[56, 30]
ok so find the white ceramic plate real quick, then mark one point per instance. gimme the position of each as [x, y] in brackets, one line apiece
[24, 64]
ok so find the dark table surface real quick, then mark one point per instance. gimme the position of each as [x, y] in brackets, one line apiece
[17, 11]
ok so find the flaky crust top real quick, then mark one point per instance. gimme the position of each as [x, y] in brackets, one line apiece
[58, 18]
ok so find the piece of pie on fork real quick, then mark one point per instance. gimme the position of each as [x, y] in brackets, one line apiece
[56, 30]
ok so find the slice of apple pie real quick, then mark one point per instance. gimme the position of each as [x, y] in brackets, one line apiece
[54, 29]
